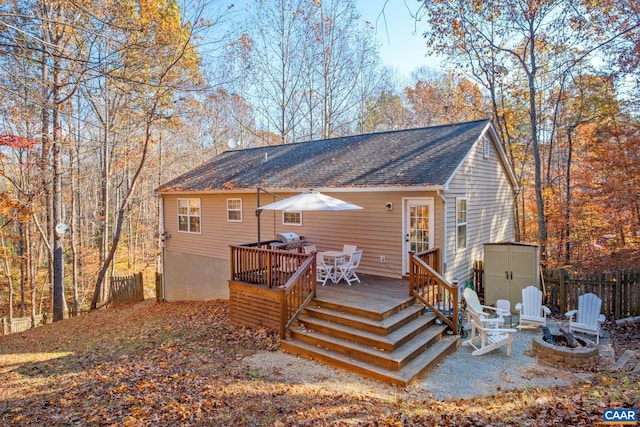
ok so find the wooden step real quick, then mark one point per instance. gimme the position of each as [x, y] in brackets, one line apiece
[358, 308]
[395, 359]
[416, 368]
[388, 340]
[386, 335]
[365, 323]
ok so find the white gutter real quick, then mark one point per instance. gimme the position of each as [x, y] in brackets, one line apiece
[320, 189]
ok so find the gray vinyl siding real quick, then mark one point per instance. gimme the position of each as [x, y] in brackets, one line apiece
[490, 216]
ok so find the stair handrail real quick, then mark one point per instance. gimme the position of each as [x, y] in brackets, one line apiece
[433, 291]
[297, 293]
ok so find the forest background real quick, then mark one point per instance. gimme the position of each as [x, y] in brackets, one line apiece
[102, 101]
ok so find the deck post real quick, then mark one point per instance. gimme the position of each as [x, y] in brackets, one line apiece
[232, 264]
[269, 269]
[283, 312]
[411, 274]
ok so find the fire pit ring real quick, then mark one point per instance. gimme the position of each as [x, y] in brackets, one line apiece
[583, 356]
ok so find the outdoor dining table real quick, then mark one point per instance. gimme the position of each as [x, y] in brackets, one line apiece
[335, 258]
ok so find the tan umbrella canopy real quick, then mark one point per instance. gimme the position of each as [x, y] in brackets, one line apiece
[309, 200]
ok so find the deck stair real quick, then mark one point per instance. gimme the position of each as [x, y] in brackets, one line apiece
[395, 345]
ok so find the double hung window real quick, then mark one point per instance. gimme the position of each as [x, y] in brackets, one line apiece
[189, 215]
[461, 223]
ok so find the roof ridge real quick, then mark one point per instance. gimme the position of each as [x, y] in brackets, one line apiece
[361, 135]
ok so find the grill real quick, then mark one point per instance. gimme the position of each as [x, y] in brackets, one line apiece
[287, 241]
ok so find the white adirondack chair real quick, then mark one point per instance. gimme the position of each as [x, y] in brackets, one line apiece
[486, 337]
[484, 311]
[587, 317]
[531, 309]
[505, 306]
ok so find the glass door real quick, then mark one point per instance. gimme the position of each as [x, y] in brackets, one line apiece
[417, 227]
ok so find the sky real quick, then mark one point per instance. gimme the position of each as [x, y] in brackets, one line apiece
[401, 44]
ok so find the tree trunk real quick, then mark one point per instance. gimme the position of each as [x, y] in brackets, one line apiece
[567, 212]
[58, 263]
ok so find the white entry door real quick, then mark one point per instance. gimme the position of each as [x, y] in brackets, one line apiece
[418, 226]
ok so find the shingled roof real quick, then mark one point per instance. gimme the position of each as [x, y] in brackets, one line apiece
[404, 158]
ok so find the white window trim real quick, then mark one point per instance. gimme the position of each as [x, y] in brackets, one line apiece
[465, 223]
[190, 199]
[297, 224]
[234, 210]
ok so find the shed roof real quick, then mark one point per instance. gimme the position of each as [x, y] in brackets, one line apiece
[404, 158]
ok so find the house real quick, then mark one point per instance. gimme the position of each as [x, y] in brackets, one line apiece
[449, 187]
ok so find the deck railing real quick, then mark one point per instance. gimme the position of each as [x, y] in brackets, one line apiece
[299, 290]
[431, 289]
[430, 257]
[268, 267]
[290, 278]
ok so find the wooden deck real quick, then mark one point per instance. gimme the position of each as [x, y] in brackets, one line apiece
[377, 328]
[374, 294]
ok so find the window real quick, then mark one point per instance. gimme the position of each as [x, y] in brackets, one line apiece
[189, 215]
[292, 217]
[461, 223]
[234, 210]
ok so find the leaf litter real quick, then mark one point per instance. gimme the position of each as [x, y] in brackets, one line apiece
[182, 364]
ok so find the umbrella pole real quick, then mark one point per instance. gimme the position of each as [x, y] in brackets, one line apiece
[258, 212]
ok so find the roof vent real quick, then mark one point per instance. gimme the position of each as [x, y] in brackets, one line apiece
[486, 148]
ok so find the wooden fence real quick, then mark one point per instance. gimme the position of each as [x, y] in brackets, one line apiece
[21, 324]
[619, 290]
[126, 290]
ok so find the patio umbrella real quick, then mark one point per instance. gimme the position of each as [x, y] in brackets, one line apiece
[309, 200]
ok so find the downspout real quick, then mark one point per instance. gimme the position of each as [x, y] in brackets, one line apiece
[161, 238]
[443, 262]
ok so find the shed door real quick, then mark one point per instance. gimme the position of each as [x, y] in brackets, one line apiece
[418, 226]
[508, 269]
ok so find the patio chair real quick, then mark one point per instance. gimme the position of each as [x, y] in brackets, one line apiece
[323, 270]
[587, 317]
[531, 311]
[348, 250]
[485, 337]
[484, 311]
[347, 270]
[310, 249]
